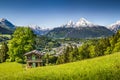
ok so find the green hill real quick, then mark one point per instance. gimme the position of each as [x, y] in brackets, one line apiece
[100, 68]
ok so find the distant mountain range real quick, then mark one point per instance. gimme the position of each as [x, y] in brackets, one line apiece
[79, 29]
[38, 30]
[6, 27]
[115, 26]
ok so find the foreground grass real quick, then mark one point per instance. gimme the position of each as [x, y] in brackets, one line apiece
[101, 68]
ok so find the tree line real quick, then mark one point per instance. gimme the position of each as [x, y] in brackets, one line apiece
[24, 40]
[91, 48]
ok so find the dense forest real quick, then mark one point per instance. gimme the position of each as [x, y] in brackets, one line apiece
[24, 40]
[91, 48]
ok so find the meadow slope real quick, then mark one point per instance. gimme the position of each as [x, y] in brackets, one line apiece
[100, 68]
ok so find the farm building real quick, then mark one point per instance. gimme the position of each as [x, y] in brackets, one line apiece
[34, 58]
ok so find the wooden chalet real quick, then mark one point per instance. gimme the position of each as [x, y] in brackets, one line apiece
[34, 58]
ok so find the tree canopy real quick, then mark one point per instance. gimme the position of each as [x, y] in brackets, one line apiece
[23, 41]
[3, 52]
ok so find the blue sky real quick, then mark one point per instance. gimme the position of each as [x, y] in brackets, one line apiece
[52, 13]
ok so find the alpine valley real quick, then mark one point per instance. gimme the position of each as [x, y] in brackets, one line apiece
[80, 29]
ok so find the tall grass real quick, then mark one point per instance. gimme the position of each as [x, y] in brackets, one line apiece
[101, 68]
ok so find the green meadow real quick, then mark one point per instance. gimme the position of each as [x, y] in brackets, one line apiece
[100, 68]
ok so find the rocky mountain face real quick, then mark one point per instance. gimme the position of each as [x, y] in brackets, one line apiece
[115, 26]
[38, 30]
[80, 29]
[80, 23]
[6, 27]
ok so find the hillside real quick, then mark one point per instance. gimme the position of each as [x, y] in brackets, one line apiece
[115, 26]
[79, 32]
[38, 30]
[6, 24]
[5, 30]
[100, 68]
[6, 27]
[80, 29]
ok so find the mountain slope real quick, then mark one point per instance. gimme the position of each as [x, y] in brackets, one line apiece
[115, 26]
[6, 27]
[80, 29]
[84, 23]
[83, 32]
[100, 68]
[90, 32]
[5, 31]
[6, 24]
[38, 30]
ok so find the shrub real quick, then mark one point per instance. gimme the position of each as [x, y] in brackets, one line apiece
[19, 60]
[8, 60]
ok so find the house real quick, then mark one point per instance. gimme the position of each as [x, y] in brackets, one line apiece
[34, 58]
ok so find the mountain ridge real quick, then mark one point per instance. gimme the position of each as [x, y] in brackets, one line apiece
[5, 22]
[82, 22]
[6, 27]
[115, 26]
[80, 29]
[38, 30]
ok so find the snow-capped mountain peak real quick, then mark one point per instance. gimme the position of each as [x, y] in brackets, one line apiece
[5, 23]
[70, 24]
[84, 23]
[39, 30]
[81, 23]
[116, 23]
[2, 19]
[115, 26]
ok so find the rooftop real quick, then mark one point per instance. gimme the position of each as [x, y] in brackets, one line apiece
[34, 52]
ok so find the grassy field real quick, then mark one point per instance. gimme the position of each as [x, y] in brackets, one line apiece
[101, 68]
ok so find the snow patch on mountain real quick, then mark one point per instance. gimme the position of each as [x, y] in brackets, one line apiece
[115, 26]
[70, 24]
[81, 23]
[6, 24]
[84, 23]
[39, 30]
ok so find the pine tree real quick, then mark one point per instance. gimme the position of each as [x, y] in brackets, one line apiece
[66, 54]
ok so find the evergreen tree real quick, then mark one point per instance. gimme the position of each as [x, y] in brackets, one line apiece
[3, 52]
[75, 53]
[117, 47]
[66, 54]
[60, 59]
[84, 51]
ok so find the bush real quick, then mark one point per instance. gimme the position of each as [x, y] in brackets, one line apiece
[19, 60]
[8, 60]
